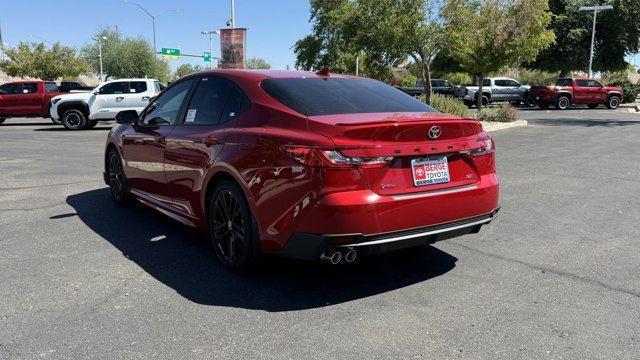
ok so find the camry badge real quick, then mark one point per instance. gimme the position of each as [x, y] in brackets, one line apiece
[435, 132]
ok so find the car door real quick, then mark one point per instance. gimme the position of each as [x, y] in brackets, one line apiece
[515, 91]
[144, 144]
[595, 92]
[500, 90]
[109, 100]
[581, 92]
[9, 98]
[139, 95]
[29, 100]
[198, 140]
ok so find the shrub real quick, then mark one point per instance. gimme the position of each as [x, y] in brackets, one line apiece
[502, 113]
[458, 78]
[409, 81]
[449, 105]
[537, 78]
[629, 90]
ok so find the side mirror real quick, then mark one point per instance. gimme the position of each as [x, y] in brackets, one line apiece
[96, 92]
[127, 117]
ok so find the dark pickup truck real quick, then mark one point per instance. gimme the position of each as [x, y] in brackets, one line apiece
[438, 86]
[577, 91]
[26, 99]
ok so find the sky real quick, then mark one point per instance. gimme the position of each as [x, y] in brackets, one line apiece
[273, 26]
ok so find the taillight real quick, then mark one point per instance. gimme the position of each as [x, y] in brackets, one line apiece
[313, 156]
[487, 148]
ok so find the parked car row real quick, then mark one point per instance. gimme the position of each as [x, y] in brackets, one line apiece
[565, 93]
[74, 104]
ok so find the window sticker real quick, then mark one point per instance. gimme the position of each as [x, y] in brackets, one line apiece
[191, 115]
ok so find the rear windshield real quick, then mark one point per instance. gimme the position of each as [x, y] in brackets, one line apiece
[331, 96]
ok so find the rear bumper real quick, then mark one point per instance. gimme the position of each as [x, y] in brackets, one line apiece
[311, 246]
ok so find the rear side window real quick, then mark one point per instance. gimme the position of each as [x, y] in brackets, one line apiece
[486, 82]
[330, 96]
[11, 89]
[208, 101]
[137, 87]
[29, 88]
[117, 87]
[50, 87]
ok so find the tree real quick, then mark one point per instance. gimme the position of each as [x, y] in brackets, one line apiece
[488, 35]
[257, 63]
[125, 57]
[617, 35]
[36, 61]
[186, 69]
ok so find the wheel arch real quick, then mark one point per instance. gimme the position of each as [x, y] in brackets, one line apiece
[218, 174]
[610, 94]
[564, 94]
[77, 105]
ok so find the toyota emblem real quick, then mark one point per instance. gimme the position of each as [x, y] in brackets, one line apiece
[435, 132]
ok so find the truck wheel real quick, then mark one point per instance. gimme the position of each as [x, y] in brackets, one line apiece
[563, 103]
[613, 102]
[592, 106]
[74, 120]
[485, 101]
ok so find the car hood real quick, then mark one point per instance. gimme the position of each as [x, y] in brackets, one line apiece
[85, 96]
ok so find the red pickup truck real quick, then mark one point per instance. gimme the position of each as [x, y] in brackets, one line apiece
[576, 91]
[26, 99]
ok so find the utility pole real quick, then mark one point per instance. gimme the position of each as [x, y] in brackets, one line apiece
[153, 21]
[595, 10]
[210, 33]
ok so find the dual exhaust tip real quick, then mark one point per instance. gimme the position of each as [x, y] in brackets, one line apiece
[336, 256]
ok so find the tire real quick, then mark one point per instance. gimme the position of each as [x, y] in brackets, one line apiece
[614, 102]
[117, 179]
[232, 231]
[74, 119]
[563, 103]
[544, 105]
[592, 106]
[91, 124]
[485, 101]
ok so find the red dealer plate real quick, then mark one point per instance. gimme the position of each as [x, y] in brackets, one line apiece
[429, 171]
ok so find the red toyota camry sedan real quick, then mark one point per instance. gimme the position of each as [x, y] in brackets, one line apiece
[304, 165]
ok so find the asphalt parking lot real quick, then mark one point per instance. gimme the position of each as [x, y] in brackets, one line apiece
[557, 276]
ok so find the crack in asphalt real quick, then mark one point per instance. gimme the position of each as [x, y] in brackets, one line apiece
[553, 271]
[43, 207]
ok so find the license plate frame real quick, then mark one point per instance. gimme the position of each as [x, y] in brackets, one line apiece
[431, 170]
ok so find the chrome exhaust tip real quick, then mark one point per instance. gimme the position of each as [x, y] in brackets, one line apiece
[351, 256]
[333, 258]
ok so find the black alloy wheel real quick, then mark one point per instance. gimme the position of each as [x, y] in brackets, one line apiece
[74, 120]
[231, 227]
[117, 179]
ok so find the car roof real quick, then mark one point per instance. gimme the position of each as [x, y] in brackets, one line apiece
[259, 75]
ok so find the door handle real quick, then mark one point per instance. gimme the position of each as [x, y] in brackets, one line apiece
[120, 98]
[146, 98]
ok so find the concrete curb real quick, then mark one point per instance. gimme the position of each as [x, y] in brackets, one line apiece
[495, 126]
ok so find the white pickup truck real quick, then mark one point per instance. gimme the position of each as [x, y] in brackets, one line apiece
[78, 111]
[494, 90]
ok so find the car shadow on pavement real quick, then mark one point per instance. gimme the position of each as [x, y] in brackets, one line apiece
[179, 258]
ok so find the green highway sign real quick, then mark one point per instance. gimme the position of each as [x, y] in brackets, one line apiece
[207, 57]
[171, 54]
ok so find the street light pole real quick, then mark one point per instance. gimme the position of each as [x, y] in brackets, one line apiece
[210, 33]
[595, 10]
[100, 55]
[153, 21]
